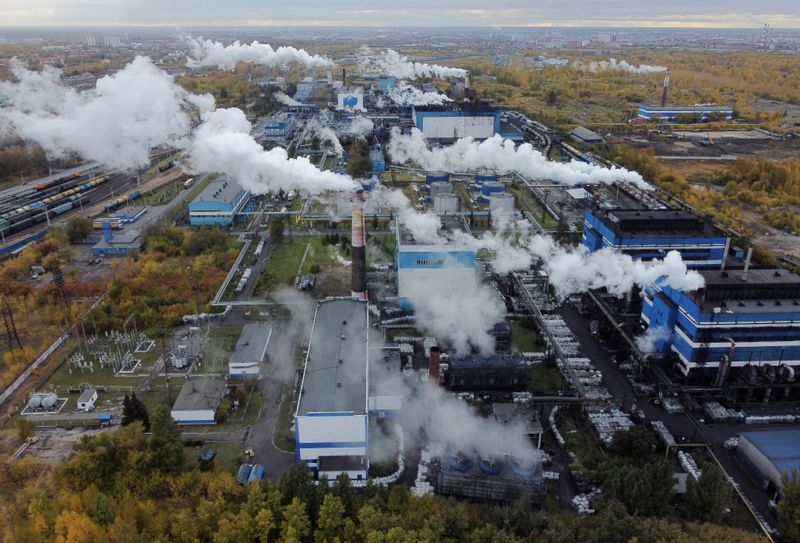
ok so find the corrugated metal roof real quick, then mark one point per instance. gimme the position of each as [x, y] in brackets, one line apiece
[781, 447]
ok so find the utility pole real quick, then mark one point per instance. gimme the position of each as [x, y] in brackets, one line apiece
[12, 336]
[58, 279]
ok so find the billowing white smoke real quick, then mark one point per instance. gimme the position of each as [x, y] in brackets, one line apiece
[117, 123]
[394, 64]
[285, 99]
[501, 156]
[320, 127]
[213, 53]
[407, 95]
[223, 143]
[647, 342]
[455, 306]
[423, 226]
[614, 64]
[360, 127]
[576, 270]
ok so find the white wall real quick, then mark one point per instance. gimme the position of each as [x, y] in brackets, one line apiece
[334, 435]
[194, 416]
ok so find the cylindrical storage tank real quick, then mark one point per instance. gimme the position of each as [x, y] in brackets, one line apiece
[481, 178]
[445, 203]
[492, 187]
[441, 187]
[460, 462]
[491, 465]
[501, 202]
[433, 177]
[49, 401]
[35, 402]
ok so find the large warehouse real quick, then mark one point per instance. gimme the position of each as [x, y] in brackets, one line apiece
[420, 262]
[450, 124]
[649, 234]
[675, 114]
[218, 203]
[331, 418]
[768, 455]
[751, 314]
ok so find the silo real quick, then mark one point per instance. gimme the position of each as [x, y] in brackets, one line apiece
[441, 187]
[35, 402]
[501, 203]
[492, 187]
[445, 203]
[49, 401]
[433, 177]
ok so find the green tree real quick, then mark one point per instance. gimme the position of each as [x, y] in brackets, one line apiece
[78, 228]
[552, 97]
[709, 496]
[134, 409]
[295, 525]
[331, 521]
[166, 445]
[789, 508]
[643, 489]
[637, 443]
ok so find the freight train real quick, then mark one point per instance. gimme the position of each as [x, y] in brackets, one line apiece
[39, 210]
[122, 200]
[53, 182]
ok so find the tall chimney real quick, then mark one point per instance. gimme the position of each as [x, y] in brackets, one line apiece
[747, 263]
[433, 364]
[358, 250]
[466, 81]
[344, 77]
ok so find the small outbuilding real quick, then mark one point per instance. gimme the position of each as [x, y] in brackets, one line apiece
[584, 135]
[198, 400]
[87, 399]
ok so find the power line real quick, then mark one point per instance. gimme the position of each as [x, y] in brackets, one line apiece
[12, 336]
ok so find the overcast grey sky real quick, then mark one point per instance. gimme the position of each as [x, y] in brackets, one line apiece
[630, 13]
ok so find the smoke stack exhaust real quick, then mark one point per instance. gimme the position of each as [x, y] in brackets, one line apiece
[358, 250]
[433, 364]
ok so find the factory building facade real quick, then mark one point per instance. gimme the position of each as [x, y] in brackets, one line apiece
[769, 455]
[280, 127]
[431, 263]
[676, 114]
[650, 234]
[218, 203]
[331, 421]
[751, 317]
[446, 124]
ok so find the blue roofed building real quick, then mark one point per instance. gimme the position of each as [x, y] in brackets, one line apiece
[385, 84]
[280, 126]
[769, 455]
[676, 114]
[650, 234]
[743, 325]
[218, 203]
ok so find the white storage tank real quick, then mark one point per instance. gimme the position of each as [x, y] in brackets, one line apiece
[445, 203]
[441, 187]
[35, 402]
[501, 203]
[49, 401]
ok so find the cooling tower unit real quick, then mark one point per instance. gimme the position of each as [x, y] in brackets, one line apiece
[359, 255]
[444, 204]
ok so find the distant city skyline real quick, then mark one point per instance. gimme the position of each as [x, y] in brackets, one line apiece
[536, 13]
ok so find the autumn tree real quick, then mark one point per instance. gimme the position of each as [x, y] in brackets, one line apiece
[166, 445]
[296, 524]
[789, 508]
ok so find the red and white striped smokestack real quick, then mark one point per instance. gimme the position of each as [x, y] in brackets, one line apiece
[358, 250]
[433, 364]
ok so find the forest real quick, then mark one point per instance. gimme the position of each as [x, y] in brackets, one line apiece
[130, 487]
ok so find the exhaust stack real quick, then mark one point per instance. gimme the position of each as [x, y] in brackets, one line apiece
[433, 364]
[358, 250]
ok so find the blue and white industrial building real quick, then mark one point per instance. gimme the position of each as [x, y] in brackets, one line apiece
[650, 234]
[280, 126]
[421, 263]
[751, 317]
[331, 421]
[218, 203]
[673, 114]
[451, 124]
[769, 455]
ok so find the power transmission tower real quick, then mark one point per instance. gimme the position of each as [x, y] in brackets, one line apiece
[11, 328]
[58, 279]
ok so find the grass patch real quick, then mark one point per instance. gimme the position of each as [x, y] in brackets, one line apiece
[397, 332]
[581, 442]
[281, 268]
[163, 194]
[544, 380]
[228, 458]
[525, 338]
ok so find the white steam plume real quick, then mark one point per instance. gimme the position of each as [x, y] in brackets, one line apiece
[424, 227]
[501, 156]
[213, 53]
[116, 123]
[457, 307]
[223, 143]
[394, 64]
[359, 127]
[285, 99]
[406, 95]
[647, 342]
[614, 64]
